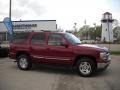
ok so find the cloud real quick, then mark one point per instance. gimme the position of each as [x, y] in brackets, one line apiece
[66, 12]
[4, 11]
[36, 7]
[114, 5]
[29, 8]
[18, 12]
[23, 3]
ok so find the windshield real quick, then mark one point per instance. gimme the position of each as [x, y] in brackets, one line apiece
[72, 39]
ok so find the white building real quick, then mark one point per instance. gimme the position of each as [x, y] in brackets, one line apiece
[29, 25]
[107, 32]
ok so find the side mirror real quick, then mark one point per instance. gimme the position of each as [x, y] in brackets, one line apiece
[65, 45]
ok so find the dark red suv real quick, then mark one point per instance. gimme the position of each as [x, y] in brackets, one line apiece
[57, 48]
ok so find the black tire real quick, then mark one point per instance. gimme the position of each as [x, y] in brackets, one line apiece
[86, 67]
[24, 62]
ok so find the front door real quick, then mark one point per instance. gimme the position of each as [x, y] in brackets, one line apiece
[57, 50]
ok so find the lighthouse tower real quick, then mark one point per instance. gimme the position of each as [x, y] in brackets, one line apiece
[107, 32]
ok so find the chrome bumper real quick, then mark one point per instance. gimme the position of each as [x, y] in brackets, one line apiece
[103, 65]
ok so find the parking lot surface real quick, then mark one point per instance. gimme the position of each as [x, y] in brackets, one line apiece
[55, 78]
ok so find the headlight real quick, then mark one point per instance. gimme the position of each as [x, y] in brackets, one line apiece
[103, 55]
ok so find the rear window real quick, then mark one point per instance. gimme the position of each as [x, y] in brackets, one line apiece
[20, 37]
[38, 39]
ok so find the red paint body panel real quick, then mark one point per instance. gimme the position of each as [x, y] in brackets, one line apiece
[52, 54]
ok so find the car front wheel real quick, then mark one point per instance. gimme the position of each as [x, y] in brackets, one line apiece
[85, 67]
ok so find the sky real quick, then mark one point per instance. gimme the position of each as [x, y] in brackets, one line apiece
[65, 12]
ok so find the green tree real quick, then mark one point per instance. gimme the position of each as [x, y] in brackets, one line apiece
[87, 32]
[97, 32]
[83, 32]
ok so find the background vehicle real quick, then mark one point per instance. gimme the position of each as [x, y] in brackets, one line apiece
[58, 48]
[4, 52]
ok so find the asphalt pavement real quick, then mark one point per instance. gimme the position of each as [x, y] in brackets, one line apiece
[56, 78]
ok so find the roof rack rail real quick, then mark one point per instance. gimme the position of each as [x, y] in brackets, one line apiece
[46, 30]
[42, 31]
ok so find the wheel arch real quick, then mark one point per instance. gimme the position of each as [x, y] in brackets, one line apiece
[87, 56]
[22, 53]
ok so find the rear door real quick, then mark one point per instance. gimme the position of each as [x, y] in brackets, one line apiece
[37, 48]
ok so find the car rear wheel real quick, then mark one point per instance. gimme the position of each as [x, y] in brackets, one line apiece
[85, 67]
[24, 62]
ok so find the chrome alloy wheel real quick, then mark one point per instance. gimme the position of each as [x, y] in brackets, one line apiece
[85, 68]
[23, 63]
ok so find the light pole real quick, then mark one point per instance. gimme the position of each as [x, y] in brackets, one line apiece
[85, 30]
[10, 9]
[75, 32]
[108, 33]
[10, 2]
[95, 30]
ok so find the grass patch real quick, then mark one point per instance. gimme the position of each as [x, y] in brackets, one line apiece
[115, 52]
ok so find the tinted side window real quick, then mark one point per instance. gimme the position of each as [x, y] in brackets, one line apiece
[38, 39]
[20, 37]
[55, 39]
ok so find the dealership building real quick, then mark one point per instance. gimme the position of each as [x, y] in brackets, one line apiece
[28, 26]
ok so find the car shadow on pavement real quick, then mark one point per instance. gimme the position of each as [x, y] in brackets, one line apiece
[2, 56]
[54, 69]
[48, 69]
[102, 73]
[66, 70]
